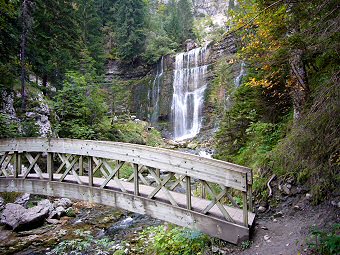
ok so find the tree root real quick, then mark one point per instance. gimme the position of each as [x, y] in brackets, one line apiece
[268, 185]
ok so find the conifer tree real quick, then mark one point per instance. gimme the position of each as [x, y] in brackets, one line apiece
[129, 28]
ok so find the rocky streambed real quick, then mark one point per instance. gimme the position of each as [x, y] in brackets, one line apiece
[37, 225]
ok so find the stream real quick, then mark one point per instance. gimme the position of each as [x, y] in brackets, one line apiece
[99, 227]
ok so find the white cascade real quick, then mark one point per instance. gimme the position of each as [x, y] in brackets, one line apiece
[189, 87]
[242, 73]
[154, 94]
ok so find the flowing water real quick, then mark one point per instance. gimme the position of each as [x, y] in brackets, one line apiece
[154, 93]
[189, 87]
[242, 73]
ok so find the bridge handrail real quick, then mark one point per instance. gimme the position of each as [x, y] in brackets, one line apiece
[211, 170]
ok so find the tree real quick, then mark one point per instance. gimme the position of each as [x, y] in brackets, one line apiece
[26, 21]
[9, 42]
[53, 46]
[179, 25]
[90, 25]
[129, 28]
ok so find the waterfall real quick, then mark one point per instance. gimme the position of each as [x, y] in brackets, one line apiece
[154, 94]
[242, 73]
[189, 86]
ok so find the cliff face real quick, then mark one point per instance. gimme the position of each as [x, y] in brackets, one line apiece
[211, 7]
[148, 90]
[150, 97]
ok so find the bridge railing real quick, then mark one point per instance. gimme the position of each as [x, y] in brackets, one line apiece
[98, 164]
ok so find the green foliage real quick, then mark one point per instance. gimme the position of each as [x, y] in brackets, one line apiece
[29, 128]
[172, 241]
[325, 243]
[310, 152]
[129, 28]
[84, 243]
[246, 245]
[81, 108]
[261, 139]
[70, 212]
[136, 132]
[179, 24]
[8, 129]
[10, 197]
[232, 135]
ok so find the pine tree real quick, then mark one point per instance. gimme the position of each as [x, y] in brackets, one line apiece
[129, 28]
[53, 46]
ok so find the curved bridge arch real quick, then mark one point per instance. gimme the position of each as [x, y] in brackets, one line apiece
[90, 170]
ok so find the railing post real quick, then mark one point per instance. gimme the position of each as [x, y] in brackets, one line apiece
[250, 198]
[188, 191]
[49, 166]
[135, 179]
[245, 203]
[17, 164]
[90, 164]
[81, 165]
[203, 193]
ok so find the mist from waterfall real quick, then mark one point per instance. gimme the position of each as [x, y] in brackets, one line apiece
[189, 87]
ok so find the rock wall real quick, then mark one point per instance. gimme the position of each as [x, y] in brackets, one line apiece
[211, 7]
[137, 95]
[38, 113]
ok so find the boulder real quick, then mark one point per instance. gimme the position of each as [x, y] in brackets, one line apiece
[63, 202]
[18, 217]
[57, 213]
[23, 200]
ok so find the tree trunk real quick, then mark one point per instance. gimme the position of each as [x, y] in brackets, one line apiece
[44, 81]
[299, 88]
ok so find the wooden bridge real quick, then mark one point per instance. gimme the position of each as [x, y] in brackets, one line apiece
[176, 187]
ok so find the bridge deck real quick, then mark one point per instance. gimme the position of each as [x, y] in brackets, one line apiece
[198, 204]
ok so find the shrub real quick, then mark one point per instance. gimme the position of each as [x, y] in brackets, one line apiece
[325, 243]
[173, 241]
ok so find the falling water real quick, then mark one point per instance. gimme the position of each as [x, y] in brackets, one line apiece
[242, 73]
[154, 94]
[189, 86]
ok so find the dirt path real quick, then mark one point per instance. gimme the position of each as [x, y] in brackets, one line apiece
[288, 234]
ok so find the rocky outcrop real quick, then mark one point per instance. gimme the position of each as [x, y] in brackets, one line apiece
[23, 200]
[18, 217]
[211, 7]
[40, 114]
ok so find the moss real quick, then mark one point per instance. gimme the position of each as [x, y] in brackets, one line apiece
[10, 197]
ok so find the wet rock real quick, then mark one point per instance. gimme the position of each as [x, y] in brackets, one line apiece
[53, 221]
[266, 238]
[308, 196]
[18, 217]
[63, 202]
[124, 224]
[23, 200]
[46, 203]
[297, 208]
[57, 213]
[192, 145]
[190, 44]
[278, 214]
[261, 209]
[286, 189]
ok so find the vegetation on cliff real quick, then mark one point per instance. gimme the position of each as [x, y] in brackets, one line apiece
[283, 119]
